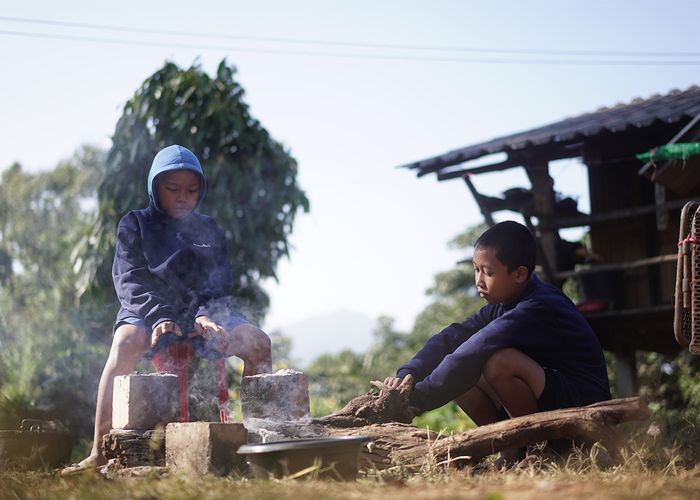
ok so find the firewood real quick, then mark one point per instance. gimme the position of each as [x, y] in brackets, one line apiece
[134, 448]
[395, 443]
[389, 405]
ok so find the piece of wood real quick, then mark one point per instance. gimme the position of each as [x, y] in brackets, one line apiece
[133, 448]
[402, 444]
[375, 408]
[619, 266]
[623, 213]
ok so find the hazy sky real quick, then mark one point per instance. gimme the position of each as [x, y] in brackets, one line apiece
[360, 97]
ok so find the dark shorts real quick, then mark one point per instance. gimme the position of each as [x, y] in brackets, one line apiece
[201, 347]
[557, 392]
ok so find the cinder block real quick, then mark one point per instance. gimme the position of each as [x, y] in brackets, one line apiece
[144, 401]
[283, 395]
[205, 447]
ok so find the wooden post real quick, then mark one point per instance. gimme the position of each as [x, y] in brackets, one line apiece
[625, 373]
[543, 209]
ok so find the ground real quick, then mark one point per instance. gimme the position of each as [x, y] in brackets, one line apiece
[560, 482]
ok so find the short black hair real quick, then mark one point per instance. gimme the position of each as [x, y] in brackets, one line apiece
[513, 244]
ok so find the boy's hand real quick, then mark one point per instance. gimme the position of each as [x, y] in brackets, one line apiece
[204, 326]
[393, 383]
[162, 329]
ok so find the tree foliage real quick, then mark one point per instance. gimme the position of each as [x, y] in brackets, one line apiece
[44, 340]
[252, 186]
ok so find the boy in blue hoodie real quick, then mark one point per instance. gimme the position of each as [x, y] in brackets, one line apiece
[172, 277]
[527, 350]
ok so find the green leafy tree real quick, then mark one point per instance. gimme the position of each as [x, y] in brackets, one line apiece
[252, 180]
[44, 340]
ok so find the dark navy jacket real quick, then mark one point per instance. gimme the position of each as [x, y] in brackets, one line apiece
[542, 323]
[169, 269]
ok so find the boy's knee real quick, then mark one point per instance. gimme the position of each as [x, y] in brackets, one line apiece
[502, 363]
[249, 343]
[259, 340]
[130, 340]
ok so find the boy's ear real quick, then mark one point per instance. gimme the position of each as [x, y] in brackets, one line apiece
[521, 274]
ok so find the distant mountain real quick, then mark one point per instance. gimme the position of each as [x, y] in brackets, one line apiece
[329, 333]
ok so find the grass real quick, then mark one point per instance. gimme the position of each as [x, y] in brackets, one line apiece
[646, 471]
[518, 484]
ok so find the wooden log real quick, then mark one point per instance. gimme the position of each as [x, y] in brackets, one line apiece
[595, 422]
[375, 408]
[134, 448]
[414, 448]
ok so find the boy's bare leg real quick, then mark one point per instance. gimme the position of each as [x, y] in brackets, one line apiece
[510, 379]
[516, 379]
[250, 344]
[480, 403]
[128, 346]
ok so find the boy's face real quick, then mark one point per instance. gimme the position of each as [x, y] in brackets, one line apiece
[493, 281]
[177, 192]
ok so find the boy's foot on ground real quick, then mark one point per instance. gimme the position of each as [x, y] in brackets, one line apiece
[91, 463]
[509, 458]
[506, 460]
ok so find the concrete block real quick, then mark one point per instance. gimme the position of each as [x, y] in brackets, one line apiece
[144, 401]
[281, 396]
[205, 447]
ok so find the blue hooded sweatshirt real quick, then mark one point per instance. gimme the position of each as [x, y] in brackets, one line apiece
[168, 269]
[542, 323]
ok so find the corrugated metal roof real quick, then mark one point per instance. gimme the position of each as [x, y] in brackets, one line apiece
[675, 106]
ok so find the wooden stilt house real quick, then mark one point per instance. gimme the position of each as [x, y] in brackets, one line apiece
[634, 212]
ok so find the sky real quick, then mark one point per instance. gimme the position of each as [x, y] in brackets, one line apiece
[353, 90]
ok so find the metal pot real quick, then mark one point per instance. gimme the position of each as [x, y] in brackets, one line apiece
[34, 446]
[333, 458]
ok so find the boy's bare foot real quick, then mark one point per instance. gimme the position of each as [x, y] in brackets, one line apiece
[91, 463]
[507, 459]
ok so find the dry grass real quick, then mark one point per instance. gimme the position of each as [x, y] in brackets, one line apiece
[521, 484]
[648, 470]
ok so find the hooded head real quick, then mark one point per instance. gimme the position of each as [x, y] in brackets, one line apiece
[172, 159]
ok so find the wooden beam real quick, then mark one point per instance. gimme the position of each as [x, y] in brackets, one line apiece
[544, 210]
[587, 220]
[621, 266]
[519, 159]
[478, 197]
[495, 167]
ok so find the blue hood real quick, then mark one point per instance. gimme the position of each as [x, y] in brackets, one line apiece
[174, 158]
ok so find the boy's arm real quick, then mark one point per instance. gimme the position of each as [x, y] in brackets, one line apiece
[444, 343]
[460, 370]
[137, 289]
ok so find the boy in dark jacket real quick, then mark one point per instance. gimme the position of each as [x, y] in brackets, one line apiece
[172, 277]
[527, 350]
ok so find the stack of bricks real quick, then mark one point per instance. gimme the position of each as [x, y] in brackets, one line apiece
[143, 403]
[141, 406]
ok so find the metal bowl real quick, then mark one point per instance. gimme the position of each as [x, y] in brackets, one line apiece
[329, 458]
